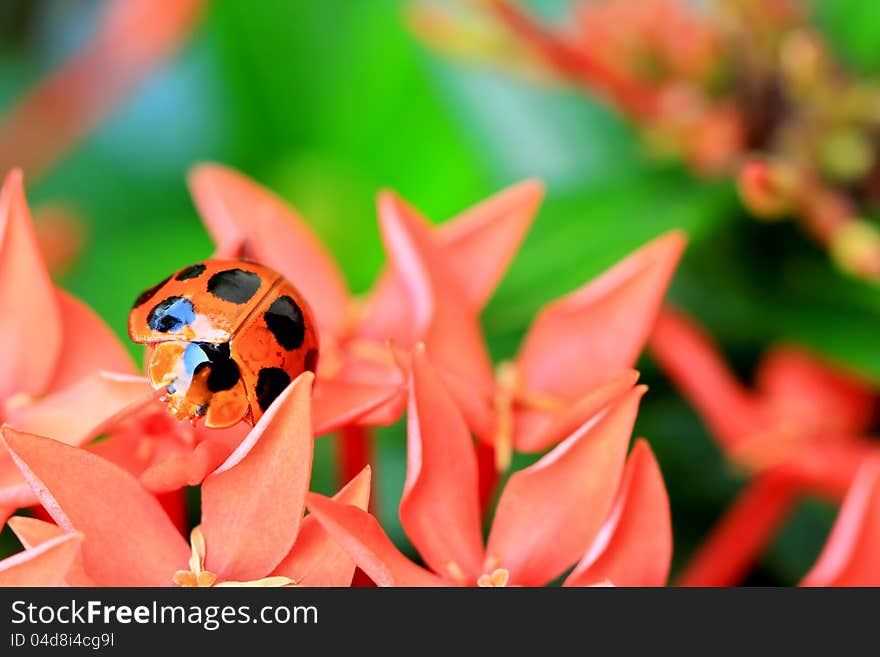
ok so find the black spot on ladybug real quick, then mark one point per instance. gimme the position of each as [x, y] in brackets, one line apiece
[271, 382]
[193, 271]
[170, 315]
[284, 318]
[146, 295]
[311, 360]
[224, 372]
[234, 285]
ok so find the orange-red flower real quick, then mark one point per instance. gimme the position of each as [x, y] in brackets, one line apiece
[583, 503]
[436, 284]
[52, 342]
[801, 431]
[252, 530]
[358, 375]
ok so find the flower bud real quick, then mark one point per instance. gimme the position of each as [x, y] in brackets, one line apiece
[768, 189]
[846, 154]
[855, 247]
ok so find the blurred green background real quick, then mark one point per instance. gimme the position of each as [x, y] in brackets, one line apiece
[327, 102]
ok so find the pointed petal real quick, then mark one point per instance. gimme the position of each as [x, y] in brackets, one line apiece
[605, 323]
[481, 241]
[741, 535]
[358, 533]
[85, 409]
[432, 298]
[252, 505]
[238, 210]
[336, 403]
[33, 533]
[688, 357]
[550, 512]
[131, 39]
[45, 565]
[440, 507]
[634, 547]
[88, 345]
[814, 392]
[316, 560]
[30, 324]
[536, 431]
[851, 556]
[129, 541]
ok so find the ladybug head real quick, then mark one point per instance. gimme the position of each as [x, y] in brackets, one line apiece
[201, 380]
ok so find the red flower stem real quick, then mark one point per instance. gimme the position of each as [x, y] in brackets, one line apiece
[573, 62]
[739, 538]
[488, 473]
[354, 452]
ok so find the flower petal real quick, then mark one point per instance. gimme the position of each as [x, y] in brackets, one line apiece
[336, 403]
[481, 241]
[252, 505]
[316, 560]
[32, 533]
[742, 533]
[30, 324]
[432, 298]
[634, 547]
[688, 357]
[85, 409]
[238, 210]
[131, 39]
[851, 556]
[440, 507]
[358, 533]
[15, 493]
[604, 323]
[129, 541]
[45, 565]
[550, 512]
[537, 430]
[88, 345]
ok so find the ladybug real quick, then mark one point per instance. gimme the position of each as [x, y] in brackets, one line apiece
[226, 337]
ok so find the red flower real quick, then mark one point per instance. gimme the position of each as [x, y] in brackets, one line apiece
[252, 530]
[576, 503]
[800, 432]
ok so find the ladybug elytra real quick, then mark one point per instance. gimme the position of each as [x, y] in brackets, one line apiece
[226, 337]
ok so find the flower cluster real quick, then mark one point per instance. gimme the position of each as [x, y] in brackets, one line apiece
[90, 450]
[745, 89]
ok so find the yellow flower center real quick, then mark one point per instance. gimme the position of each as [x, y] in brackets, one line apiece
[497, 578]
[197, 576]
